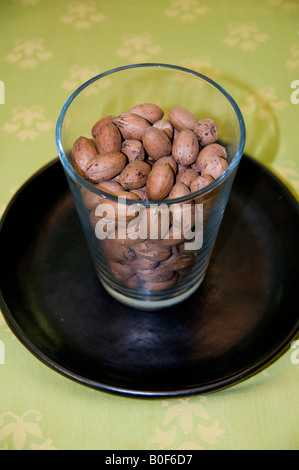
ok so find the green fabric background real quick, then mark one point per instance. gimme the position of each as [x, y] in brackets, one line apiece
[47, 49]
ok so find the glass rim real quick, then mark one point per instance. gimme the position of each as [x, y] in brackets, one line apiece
[83, 182]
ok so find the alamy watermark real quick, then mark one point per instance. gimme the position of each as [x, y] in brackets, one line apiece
[2, 92]
[295, 353]
[2, 353]
[181, 221]
[295, 93]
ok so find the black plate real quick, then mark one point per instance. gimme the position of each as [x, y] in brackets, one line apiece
[240, 320]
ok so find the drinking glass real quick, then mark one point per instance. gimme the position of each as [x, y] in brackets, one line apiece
[150, 254]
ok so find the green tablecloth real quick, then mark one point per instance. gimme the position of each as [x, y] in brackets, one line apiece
[47, 49]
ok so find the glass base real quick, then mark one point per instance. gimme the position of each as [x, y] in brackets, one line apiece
[151, 304]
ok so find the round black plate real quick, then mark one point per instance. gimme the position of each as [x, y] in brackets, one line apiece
[240, 320]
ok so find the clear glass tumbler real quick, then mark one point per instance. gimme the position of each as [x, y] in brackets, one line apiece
[150, 254]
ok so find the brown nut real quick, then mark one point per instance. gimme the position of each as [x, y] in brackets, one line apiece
[214, 167]
[133, 149]
[172, 238]
[156, 143]
[96, 126]
[132, 282]
[120, 211]
[206, 131]
[152, 251]
[153, 286]
[201, 182]
[150, 112]
[143, 264]
[120, 271]
[178, 190]
[169, 160]
[91, 199]
[134, 175]
[182, 119]
[179, 261]
[131, 126]
[159, 182]
[116, 178]
[141, 192]
[165, 126]
[108, 138]
[186, 176]
[116, 251]
[210, 151]
[105, 166]
[209, 196]
[185, 147]
[84, 150]
[111, 187]
[158, 274]
[127, 240]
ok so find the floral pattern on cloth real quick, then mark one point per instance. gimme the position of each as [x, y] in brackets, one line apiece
[28, 123]
[185, 11]
[23, 432]
[187, 425]
[29, 53]
[82, 15]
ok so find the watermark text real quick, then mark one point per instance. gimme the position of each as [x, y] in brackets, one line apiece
[174, 222]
